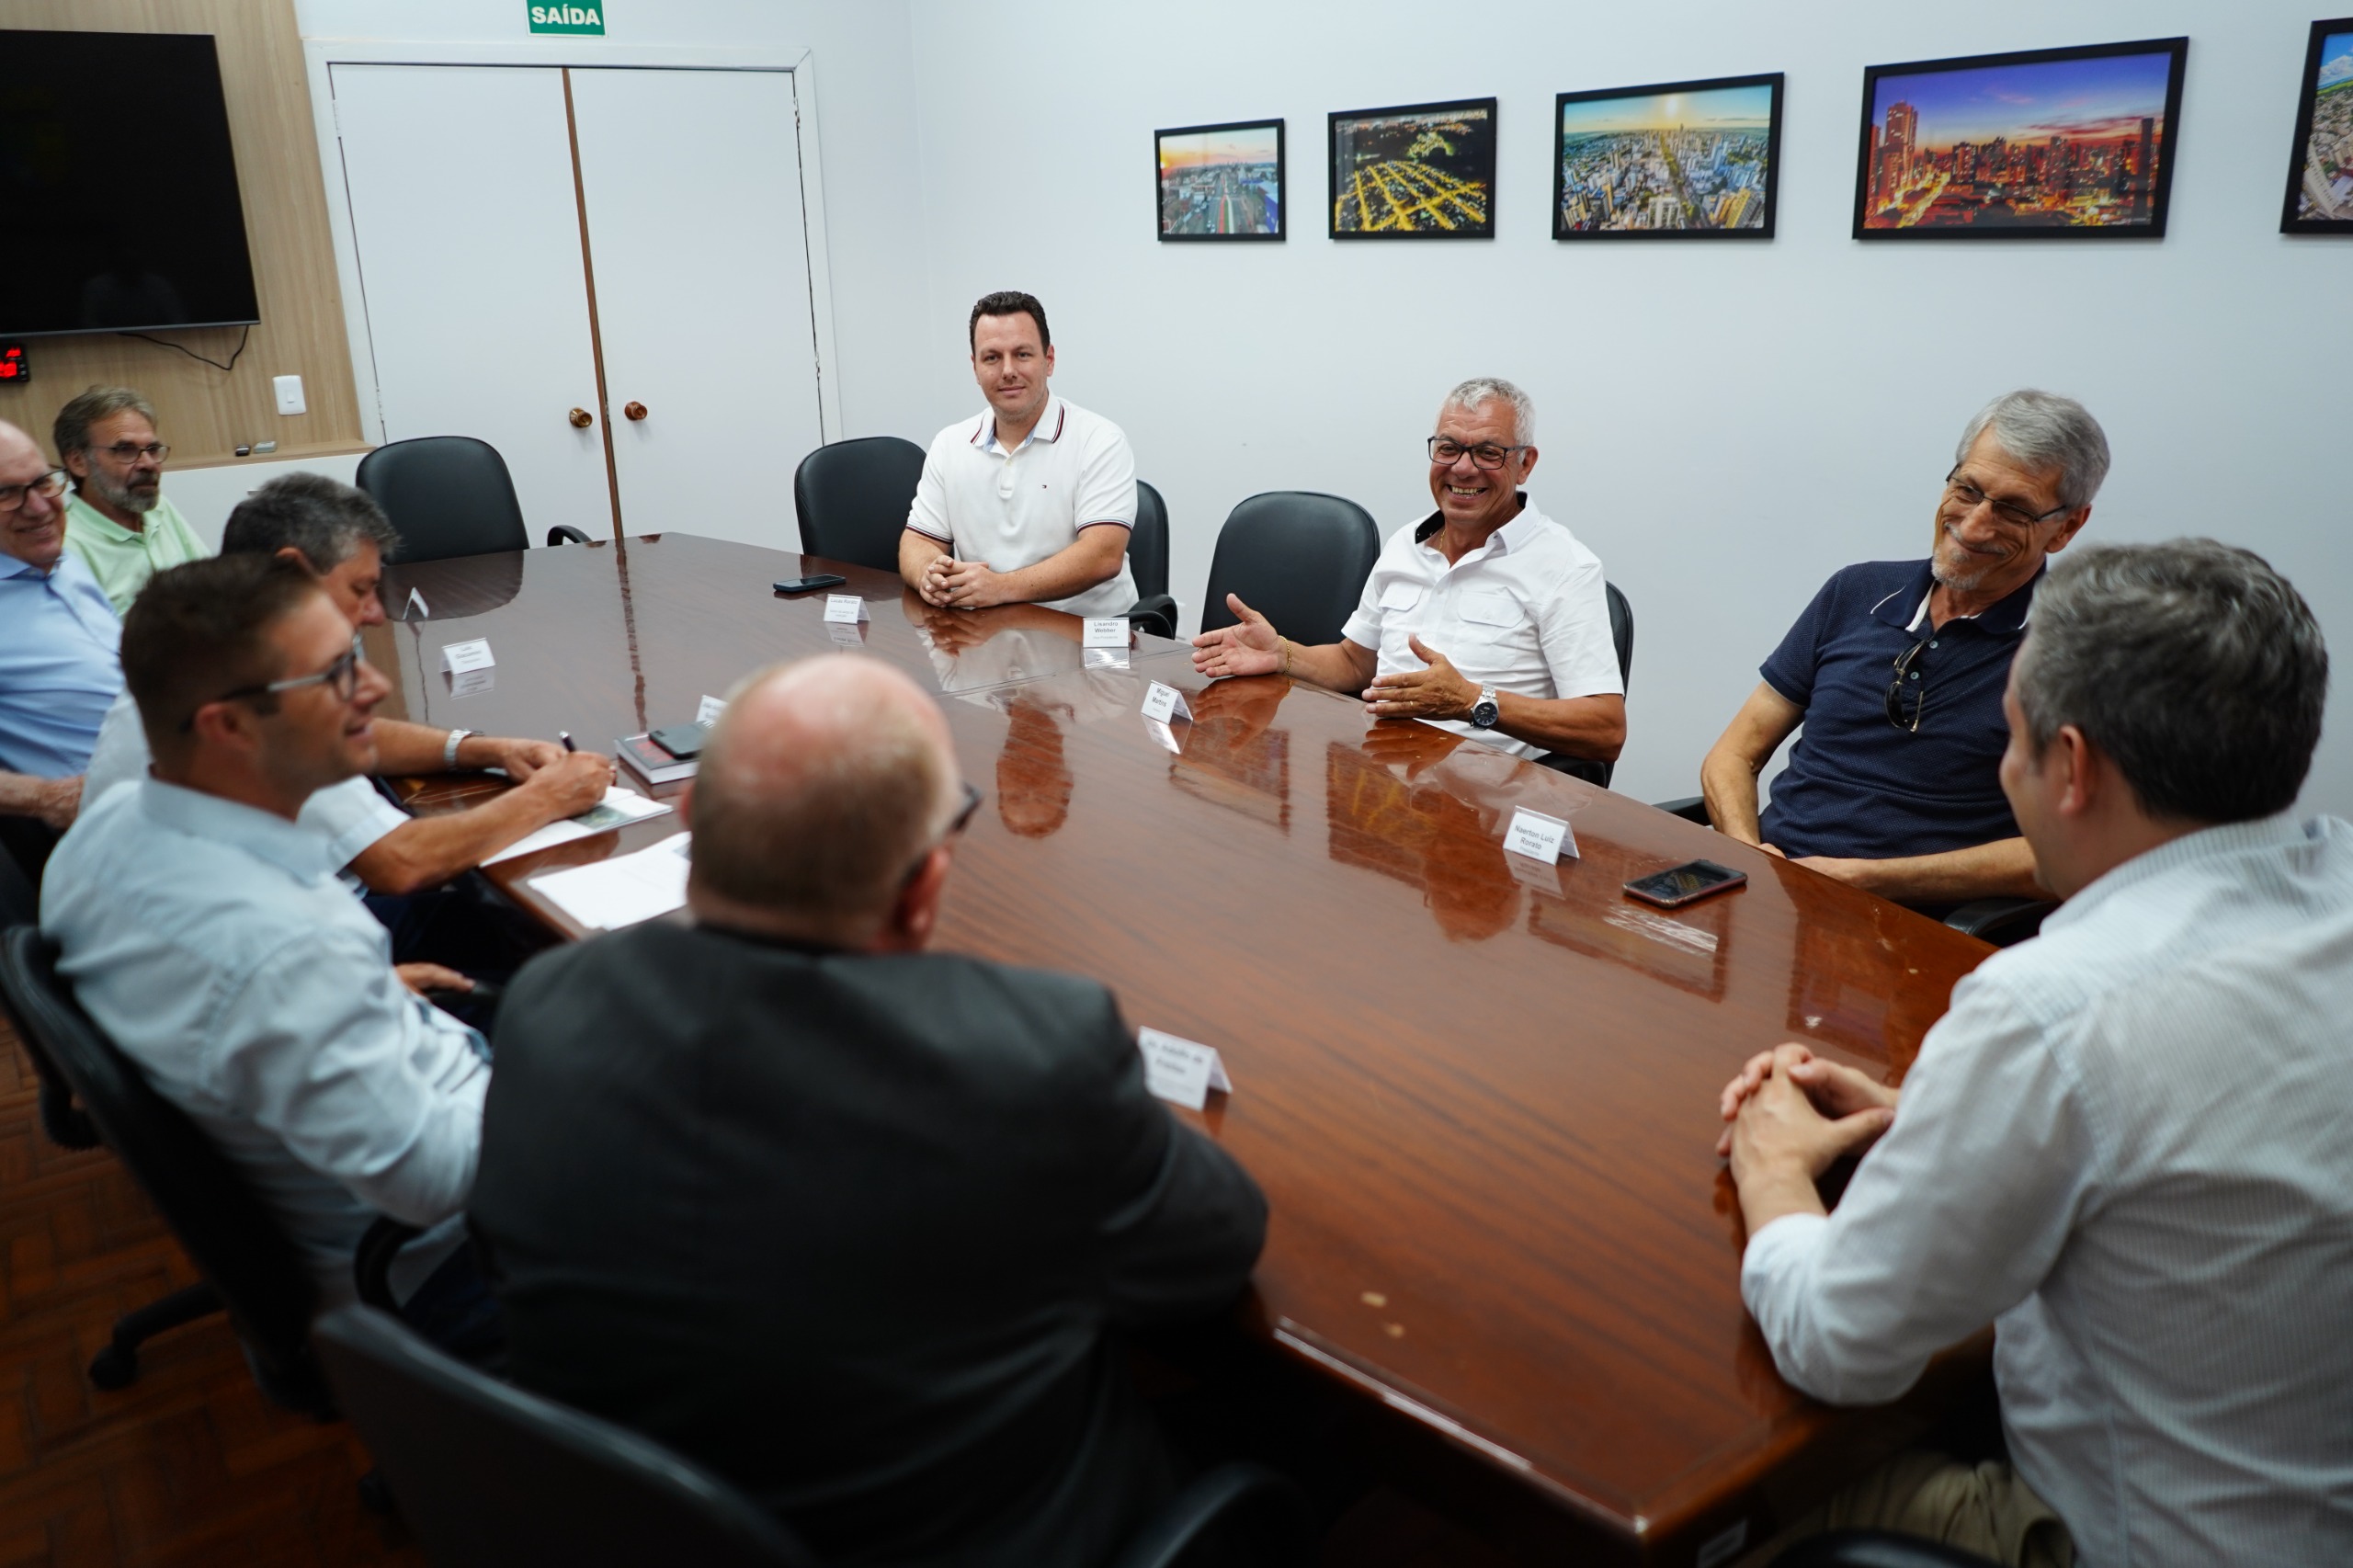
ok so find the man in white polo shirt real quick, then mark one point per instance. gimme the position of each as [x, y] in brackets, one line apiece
[1485, 618]
[1032, 502]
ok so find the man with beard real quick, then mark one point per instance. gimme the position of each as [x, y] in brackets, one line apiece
[118, 521]
[1896, 671]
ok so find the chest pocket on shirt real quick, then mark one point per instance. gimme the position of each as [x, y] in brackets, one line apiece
[1492, 615]
[1400, 594]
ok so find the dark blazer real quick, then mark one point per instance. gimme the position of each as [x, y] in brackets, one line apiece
[854, 1231]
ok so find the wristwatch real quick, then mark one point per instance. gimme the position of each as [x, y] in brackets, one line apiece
[1485, 712]
[449, 750]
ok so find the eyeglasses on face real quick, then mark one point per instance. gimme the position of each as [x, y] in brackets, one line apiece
[342, 677]
[955, 826]
[1446, 453]
[2010, 512]
[129, 452]
[49, 486]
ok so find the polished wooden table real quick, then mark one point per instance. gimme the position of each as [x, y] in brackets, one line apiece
[1480, 1094]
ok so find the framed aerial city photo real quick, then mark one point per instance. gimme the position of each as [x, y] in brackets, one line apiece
[1418, 172]
[2320, 178]
[1221, 182]
[2049, 144]
[1677, 161]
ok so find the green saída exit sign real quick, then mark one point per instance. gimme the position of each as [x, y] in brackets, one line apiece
[574, 19]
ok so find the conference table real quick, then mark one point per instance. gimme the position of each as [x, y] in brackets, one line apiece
[1478, 1089]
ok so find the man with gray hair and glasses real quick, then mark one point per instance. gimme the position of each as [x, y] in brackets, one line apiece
[1895, 670]
[2125, 1143]
[1485, 618]
[119, 520]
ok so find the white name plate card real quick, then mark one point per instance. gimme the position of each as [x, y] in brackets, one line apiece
[1105, 631]
[845, 609]
[707, 711]
[1161, 703]
[1182, 1071]
[458, 657]
[416, 603]
[1540, 837]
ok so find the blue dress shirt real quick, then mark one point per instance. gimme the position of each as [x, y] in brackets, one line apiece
[59, 665]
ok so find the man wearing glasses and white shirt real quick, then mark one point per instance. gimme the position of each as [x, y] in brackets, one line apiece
[1485, 618]
[1896, 669]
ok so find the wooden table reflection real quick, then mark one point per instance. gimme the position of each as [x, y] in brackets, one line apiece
[1479, 1093]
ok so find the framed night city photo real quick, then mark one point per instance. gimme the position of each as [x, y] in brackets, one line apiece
[1221, 182]
[1677, 161]
[1417, 172]
[2073, 144]
[2320, 179]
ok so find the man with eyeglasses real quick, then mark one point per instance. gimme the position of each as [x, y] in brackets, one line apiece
[58, 666]
[203, 928]
[1485, 618]
[1896, 669]
[119, 520]
[782, 1159]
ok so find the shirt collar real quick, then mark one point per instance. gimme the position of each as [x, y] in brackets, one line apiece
[2004, 617]
[2264, 833]
[1513, 535]
[11, 566]
[1048, 429]
[288, 845]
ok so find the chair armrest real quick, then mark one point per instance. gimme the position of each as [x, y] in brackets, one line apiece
[1155, 613]
[371, 1262]
[2001, 921]
[564, 532]
[1261, 1518]
[1690, 808]
[1876, 1549]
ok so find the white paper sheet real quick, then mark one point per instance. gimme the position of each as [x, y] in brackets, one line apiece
[617, 807]
[622, 892]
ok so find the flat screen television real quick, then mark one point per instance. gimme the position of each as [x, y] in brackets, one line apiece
[120, 186]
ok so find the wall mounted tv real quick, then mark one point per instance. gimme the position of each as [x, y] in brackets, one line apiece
[117, 175]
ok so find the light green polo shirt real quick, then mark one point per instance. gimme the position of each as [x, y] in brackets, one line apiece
[122, 561]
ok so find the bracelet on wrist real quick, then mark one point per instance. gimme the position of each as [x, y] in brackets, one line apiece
[449, 750]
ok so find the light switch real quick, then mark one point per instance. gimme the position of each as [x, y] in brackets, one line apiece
[289, 395]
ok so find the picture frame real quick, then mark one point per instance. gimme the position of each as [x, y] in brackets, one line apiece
[2046, 143]
[1412, 172]
[2320, 160]
[1627, 162]
[1212, 183]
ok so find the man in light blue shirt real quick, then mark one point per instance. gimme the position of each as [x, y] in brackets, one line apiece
[58, 667]
[205, 931]
[2125, 1145]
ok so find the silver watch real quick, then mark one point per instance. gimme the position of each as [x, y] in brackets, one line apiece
[449, 750]
[1485, 712]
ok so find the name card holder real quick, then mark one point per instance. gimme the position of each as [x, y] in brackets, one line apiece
[1540, 837]
[1182, 1071]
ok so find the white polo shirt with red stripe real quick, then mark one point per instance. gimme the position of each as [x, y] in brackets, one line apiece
[1014, 510]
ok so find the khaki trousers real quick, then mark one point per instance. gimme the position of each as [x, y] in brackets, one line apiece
[1983, 1508]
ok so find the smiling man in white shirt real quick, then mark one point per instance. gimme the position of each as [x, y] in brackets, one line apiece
[1033, 501]
[1485, 618]
[2125, 1144]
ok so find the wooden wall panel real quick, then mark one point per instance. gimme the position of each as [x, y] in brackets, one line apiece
[205, 413]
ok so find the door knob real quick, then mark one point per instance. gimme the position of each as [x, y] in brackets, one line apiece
[633, 410]
[582, 419]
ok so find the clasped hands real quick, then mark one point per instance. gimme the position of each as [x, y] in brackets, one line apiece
[952, 583]
[1251, 647]
[1789, 1116]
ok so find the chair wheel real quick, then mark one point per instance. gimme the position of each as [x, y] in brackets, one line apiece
[116, 1367]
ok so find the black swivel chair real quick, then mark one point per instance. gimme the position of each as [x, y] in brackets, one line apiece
[446, 496]
[1297, 557]
[852, 499]
[487, 1474]
[1155, 610]
[1621, 634]
[1875, 1549]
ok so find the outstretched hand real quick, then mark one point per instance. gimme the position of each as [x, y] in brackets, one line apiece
[1249, 647]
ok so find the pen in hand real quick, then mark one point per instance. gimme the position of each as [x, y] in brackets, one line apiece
[565, 736]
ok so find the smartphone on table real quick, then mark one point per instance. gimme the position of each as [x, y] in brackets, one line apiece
[1679, 885]
[806, 584]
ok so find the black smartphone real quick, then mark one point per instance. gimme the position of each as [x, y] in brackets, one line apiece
[1679, 885]
[802, 585]
[681, 740]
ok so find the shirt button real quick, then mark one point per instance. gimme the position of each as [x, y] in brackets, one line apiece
[1932, 645]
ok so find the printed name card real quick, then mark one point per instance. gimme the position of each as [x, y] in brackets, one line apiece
[416, 603]
[1105, 631]
[1182, 1071]
[1161, 703]
[707, 711]
[1540, 837]
[457, 658]
[845, 609]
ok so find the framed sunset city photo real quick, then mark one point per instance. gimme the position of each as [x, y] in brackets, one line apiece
[1417, 172]
[1679, 160]
[2320, 178]
[2049, 143]
[1221, 182]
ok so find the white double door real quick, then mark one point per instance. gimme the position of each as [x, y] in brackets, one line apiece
[538, 243]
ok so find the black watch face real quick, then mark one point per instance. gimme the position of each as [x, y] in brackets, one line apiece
[1484, 715]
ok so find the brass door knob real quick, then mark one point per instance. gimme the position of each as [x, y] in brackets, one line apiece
[634, 410]
[582, 419]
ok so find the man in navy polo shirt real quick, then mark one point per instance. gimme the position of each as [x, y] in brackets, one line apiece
[1896, 670]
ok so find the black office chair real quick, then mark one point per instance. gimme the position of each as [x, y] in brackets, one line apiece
[852, 498]
[1621, 634]
[447, 496]
[565, 533]
[487, 1474]
[250, 1269]
[1875, 1549]
[26, 843]
[1155, 610]
[1297, 557]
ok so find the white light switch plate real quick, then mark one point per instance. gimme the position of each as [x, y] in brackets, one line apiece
[290, 393]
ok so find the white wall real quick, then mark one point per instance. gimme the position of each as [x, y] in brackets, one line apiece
[206, 496]
[1726, 424]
